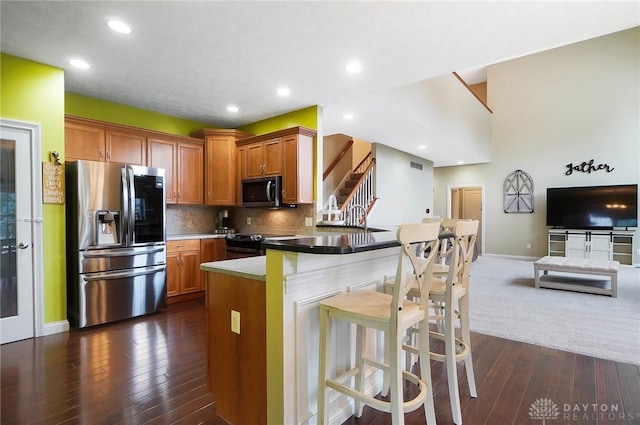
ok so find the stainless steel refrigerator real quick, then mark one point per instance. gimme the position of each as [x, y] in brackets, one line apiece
[116, 255]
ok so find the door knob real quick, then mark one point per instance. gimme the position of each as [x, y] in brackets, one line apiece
[23, 245]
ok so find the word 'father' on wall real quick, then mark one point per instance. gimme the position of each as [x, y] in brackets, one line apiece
[587, 167]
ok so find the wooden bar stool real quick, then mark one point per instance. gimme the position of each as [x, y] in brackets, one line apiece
[393, 315]
[449, 298]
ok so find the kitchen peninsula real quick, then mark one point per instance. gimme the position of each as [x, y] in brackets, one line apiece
[262, 318]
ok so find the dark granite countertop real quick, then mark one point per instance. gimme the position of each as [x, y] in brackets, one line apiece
[348, 243]
[339, 244]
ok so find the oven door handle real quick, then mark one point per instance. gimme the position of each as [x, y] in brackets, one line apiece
[243, 250]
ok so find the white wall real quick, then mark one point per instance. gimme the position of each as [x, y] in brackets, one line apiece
[567, 105]
[404, 192]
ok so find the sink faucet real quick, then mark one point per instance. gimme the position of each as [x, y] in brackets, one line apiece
[364, 211]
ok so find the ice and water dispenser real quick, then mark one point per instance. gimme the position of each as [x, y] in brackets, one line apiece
[107, 227]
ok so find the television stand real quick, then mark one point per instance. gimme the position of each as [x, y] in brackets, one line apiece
[611, 245]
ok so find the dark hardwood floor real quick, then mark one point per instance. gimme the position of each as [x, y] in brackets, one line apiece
[152, 370]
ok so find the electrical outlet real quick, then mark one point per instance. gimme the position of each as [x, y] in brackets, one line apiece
[528, 246]
[308, 221]
[248, 221]
[235, 322]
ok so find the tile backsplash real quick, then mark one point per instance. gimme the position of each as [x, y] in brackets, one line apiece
[183, 219]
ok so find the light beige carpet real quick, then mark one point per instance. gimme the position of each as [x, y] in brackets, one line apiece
[505, 303]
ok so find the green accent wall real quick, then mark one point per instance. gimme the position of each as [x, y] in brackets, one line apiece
[307, 117]
[104, 110]
[275, 336]
[34, 92]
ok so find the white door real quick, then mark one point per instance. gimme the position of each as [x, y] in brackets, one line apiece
[16, 216]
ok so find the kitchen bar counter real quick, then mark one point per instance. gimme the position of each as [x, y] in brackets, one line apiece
[348, 243]
[250, 268]
[267, 308]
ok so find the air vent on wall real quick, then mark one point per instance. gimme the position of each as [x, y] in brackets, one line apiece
[416, 165]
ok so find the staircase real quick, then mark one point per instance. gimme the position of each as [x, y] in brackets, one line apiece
[347, 187]
[356, 188]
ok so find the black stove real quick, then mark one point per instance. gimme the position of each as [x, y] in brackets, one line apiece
[241, 245]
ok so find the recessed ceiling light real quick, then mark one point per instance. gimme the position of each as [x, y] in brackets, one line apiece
[283, 91]
[347, 117]
[353, 67]
[232, 108]
[79, 63]
[460, 162]
[119, 26]
[422, 147]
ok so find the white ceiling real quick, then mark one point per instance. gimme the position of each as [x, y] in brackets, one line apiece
[191, 59]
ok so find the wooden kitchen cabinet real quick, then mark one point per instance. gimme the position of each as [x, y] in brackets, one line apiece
[297, 180]
[183, 162]
[183, 267]
[126, 148]
[212, 249]
[94, 142]
[83, 142]
[190, 176]
[162, 154]
[264, 158]
[221, 173]
[292, 149]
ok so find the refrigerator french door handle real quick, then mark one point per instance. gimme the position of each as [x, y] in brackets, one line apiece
[104, 254]
[125, 207]
[120, 275]
[132, 204]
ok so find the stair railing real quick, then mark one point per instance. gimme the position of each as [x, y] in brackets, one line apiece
[362, 193]
[337, 160]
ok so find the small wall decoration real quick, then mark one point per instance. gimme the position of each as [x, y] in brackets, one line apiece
[53, 180]
[587, 167]
[518, 193]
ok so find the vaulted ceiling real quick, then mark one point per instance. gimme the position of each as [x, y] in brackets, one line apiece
[192, 59]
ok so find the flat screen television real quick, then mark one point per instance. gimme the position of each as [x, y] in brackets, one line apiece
[593, 207]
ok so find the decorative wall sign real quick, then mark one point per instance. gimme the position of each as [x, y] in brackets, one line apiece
[53, 180]
[518, 193]
[587, 167]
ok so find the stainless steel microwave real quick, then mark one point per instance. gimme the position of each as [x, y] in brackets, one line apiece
[263, 192]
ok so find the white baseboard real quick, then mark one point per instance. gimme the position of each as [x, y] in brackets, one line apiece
[512, 257]
[55, 327]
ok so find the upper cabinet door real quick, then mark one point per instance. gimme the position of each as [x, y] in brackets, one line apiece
[254, 160]
[220, 178]
[191, 173]
[84, 142]
[297, 180]
[126, 148]
[272, 157]
[162, 154]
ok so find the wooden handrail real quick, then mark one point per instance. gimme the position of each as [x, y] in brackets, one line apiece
[337, 159]
[472, 92]
[362, 177]
[362, 162]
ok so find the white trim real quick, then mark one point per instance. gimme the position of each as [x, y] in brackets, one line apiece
[512, 257]
[461, 186]
[55, 328]
[36, 222]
